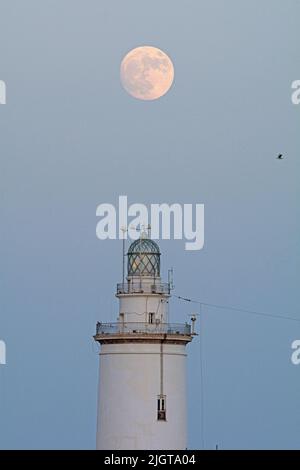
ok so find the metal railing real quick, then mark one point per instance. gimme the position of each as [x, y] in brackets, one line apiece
[143, 288]
[143, 328]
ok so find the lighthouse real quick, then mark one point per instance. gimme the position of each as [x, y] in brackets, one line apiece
[142, 377]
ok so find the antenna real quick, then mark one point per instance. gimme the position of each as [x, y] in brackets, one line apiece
[171, 278]
[193, 320]
[124, 230]
[145, 230]
[149, 231]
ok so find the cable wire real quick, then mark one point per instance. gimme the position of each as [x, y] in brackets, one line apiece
[223, 307]
[236, 309]
[201, 381]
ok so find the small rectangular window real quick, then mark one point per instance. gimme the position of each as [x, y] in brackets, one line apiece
[161, 408]
[151, 318]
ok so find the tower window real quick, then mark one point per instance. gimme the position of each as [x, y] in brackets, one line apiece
[151, 317]
[161, 408]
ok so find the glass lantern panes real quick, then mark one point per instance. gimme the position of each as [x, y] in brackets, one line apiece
[144, 258]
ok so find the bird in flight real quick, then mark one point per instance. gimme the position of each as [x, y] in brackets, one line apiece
[280, 157]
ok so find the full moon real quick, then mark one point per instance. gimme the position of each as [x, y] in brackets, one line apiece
[147, 73]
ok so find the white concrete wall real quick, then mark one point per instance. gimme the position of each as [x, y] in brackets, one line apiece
[128, 389]
[136, 307]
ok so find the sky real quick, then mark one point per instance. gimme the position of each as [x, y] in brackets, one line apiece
[72, 138]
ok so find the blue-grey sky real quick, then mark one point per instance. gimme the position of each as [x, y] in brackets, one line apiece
[71, 138]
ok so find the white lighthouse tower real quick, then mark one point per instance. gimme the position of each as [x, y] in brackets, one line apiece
[142, 383]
